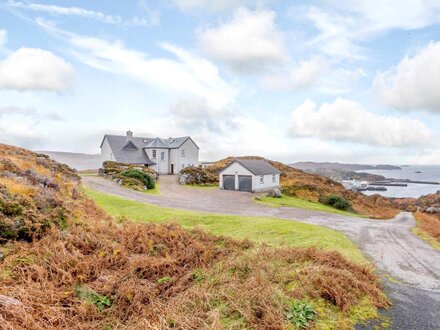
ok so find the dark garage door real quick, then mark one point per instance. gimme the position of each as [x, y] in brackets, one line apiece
[229, 182]
[245, 183]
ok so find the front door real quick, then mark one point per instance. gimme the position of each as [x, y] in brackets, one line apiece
[172, 169]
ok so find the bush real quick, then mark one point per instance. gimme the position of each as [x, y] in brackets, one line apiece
[335, 201]
[143, 177]
[197, 175]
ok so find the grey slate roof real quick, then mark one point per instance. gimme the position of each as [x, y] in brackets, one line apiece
[158, 143]
[124, 152]
[131, 149]
[258, 166]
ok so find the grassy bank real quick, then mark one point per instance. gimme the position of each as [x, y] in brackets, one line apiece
[428, 229]
[275, 232]
[303, 204]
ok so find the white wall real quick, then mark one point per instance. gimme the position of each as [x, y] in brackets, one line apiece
[267, 184]
[106, 151]
[161, 165]
[191, 157]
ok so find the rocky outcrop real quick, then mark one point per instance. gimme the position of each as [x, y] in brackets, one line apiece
[110, 169]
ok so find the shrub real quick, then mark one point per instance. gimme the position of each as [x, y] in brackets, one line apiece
[143, 177]
[335, 201]
[300, 313]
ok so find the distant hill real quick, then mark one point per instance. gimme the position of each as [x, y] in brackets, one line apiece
[78, 161]
[341, 166]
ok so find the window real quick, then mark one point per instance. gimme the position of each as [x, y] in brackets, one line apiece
[111, 156]
[261, 179]
[162, 155]
[273, 178]
[154, 153]
[183, 153]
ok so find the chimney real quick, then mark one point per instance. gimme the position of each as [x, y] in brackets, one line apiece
[129, 135]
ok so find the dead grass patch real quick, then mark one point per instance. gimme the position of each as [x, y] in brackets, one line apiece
[429, 225]
[91, 272]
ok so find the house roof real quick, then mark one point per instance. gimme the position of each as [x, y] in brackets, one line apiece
[257, 166]
[158, 143]
[128, 150]
[131, 149]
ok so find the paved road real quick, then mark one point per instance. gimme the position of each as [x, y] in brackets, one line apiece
[389, 244]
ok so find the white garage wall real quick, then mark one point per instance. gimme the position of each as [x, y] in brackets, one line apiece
[267, 184]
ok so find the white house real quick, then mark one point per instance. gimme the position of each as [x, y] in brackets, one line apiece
[249, 175]
[166, 156]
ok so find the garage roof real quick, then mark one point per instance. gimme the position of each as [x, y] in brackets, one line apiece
[257, 166]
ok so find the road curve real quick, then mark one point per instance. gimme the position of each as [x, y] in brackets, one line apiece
[390, 244]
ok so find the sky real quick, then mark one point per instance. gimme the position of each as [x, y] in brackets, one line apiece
[321, 80]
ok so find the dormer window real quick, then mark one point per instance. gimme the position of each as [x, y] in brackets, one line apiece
[154, 153]
[183, 153]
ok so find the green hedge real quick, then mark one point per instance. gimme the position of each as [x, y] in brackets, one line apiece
[336, 201]
[143, 177]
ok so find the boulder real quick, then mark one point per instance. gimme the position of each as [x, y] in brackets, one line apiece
[433, 209]
[6, 301]
[276, 193]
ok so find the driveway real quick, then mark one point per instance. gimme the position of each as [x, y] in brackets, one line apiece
[389, 244]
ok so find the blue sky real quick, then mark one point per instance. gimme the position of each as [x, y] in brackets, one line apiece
[329, 80]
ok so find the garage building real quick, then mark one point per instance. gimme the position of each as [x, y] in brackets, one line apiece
[253, 175]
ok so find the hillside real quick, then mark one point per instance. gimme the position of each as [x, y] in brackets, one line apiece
[311, 187]
[65, 264]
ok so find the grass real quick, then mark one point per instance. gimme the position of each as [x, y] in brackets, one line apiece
[303, 204]
[427, 228]
[275, 232]
[154, 191]
[428, 239]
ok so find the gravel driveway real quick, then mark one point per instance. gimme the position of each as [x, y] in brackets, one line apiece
[389, 244]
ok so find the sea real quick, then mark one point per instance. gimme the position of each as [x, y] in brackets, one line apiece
[427, 173]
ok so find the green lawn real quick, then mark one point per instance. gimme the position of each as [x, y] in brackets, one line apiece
[271, 231]
[303, 204]
[155, 191]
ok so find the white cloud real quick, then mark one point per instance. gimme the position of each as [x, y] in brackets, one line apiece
[304, 75]
[32, 113]
[343, 24]
[152, 20]
[3, 38]
[414, 83]
[20, 134]
[217, 5]
[250, 41]
[346, 120]
[14, 110]
[185, 73]
[315, 72]
[430, 156]
[35, 69]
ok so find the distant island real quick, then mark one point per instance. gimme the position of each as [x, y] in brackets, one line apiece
[341, 166]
